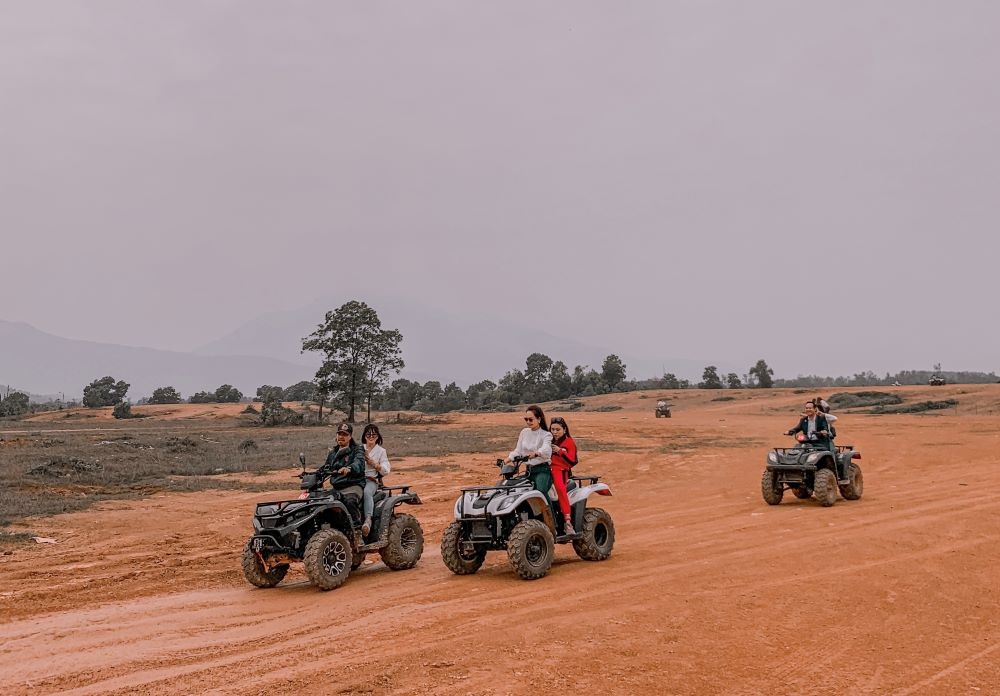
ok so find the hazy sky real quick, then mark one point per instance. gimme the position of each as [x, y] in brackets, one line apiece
[813, 183]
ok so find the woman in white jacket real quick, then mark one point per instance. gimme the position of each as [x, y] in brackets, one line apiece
[535, 441]
[376, 464]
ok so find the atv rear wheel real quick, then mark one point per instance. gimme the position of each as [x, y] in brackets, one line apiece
[255, 572]
[825, 487]
[770, 489]
[597, 538]
[406, 543]
[854, 489]
[802, 493]
[531, 549]
[459, 561]
[328, 559]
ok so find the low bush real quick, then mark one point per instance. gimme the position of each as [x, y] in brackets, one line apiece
[863, 398]
[918, 407]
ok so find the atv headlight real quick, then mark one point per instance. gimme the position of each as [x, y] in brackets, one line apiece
[772, 457]
[506, 503]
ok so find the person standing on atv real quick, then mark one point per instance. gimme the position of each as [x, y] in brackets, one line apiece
[815, 426]
[376, 466]
[563, 460]
[346, 463]
[535, 442]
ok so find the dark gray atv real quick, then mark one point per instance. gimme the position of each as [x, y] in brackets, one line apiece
[810, 469]
[322, 530]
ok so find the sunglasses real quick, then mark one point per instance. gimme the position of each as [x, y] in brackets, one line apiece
[529, 420]
[372, 435]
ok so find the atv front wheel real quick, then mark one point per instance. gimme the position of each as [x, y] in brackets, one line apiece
[406, 543]
[854, 489]
[770, 489]
[255, 572]
[531, 549]
[825, 487]
[597, 538]
[459, 561]
[328, 559]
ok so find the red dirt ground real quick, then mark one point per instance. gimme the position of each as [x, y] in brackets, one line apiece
[709, 590]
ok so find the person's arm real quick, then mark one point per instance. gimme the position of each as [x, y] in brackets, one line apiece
[569, 451]
[830, 418]
[545, 451]
[383, 461]
[356, 463]
[519, 448]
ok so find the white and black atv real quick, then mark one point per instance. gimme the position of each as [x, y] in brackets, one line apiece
[511, 515]
[322, 529]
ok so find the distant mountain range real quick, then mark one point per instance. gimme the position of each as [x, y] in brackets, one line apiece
[40, 363]
[437, 345]
[267, 350]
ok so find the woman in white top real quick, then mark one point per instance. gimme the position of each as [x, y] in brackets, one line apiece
[535, 441]
[376, 464]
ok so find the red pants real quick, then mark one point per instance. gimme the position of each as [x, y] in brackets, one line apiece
[560, 475]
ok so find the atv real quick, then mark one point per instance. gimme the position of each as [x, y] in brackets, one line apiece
[662, 409]
[322, 530]
[811, 469]
[511, 515]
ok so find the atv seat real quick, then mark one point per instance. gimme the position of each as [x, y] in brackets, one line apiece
[352, 495]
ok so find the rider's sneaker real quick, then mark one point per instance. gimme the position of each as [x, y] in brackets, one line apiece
[568, 527]
[366, 527]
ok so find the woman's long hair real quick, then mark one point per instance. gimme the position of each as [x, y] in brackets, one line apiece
[540, 415]
[371, 428]
[561, 421]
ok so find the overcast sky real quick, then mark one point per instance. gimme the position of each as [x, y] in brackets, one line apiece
[813, 183]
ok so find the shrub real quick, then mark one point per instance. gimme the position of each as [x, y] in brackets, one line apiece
[863, 398]
[919, 407]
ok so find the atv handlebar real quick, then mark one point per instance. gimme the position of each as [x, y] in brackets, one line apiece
[515, 460]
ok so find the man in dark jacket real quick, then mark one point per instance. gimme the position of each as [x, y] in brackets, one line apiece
[815, 426]
[346, 464]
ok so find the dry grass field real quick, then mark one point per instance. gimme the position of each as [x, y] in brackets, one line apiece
[136, 585]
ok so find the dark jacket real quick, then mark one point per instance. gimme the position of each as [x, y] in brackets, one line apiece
[821, 424]
[353, 457]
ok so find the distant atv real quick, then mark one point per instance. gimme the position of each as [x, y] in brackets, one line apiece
[810, 469]
[322, 529]
[662, 409]
[511, 515]
[937, 381]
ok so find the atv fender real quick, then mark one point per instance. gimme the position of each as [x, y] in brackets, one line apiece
[584, 492]
[384, 510]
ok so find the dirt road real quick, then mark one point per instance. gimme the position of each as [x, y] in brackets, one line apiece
[709, 590]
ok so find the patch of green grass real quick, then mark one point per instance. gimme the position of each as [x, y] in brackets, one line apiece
[918, 407]
[863, 398]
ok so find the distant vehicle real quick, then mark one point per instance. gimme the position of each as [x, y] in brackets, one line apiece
[936, 381]
[662, 409]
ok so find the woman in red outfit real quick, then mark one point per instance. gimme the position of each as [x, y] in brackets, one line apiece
[563, 459]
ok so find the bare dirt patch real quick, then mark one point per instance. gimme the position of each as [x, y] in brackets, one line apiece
[709, 590]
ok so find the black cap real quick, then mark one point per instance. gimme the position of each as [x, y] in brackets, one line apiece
[345, 428]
